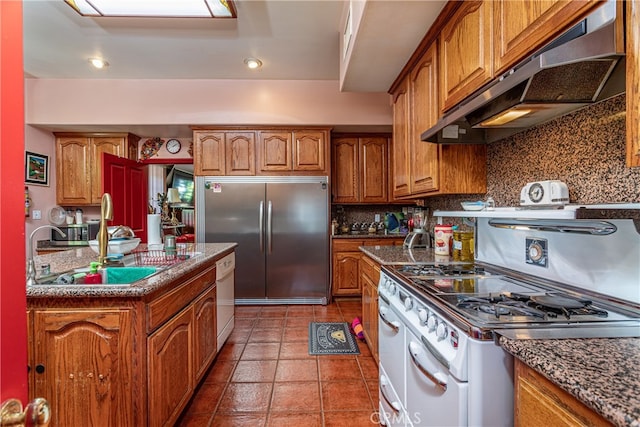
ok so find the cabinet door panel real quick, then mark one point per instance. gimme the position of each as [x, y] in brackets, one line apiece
[465, 52]
[108, 145]
[345, 170]
[274, 151]
[522, 27]
[91, 384]
[310, 151]
[209, 151]
[345, 275]
[401, 174]
[73, 171]
[240, 153]
[171, 375]
[424, 114]
[204, 326]
[374, 176]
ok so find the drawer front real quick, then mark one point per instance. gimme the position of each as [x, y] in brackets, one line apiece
[165, 307]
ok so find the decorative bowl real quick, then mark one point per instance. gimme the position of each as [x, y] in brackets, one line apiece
[473, 206]
[118, 246]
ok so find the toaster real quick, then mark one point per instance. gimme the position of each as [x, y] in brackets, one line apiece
[544, 193]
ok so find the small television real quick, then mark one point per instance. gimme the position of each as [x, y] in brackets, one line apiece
[183, 181]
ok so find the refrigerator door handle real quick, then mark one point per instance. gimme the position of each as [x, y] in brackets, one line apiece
[269, 220]
[261, 225]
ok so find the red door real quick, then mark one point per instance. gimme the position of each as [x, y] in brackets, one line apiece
[126, 181]
[13, 305]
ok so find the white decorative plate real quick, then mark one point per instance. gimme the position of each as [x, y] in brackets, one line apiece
[57, 215]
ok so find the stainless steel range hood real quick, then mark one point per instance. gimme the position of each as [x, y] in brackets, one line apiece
[583, 66]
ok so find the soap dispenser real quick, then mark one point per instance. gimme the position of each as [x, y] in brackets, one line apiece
[93, 278]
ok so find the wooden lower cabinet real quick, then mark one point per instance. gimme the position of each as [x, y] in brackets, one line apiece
[369, 278]
[170, 362]
[539, 402]
[346, 259]
[83, 365]
[123, 361]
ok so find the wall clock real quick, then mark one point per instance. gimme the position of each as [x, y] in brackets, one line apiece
[173, 146]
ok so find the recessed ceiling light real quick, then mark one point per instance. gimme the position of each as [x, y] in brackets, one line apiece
[253, 63]
[155, 8]
[98, 62]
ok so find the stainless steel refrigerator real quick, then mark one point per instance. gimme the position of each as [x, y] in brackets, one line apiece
[281, 225]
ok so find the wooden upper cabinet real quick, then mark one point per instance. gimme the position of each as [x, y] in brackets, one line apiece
[424, 156]
[310, 152]
[345, 183]
[521, 28]
[360, 169]
[465, 52]
[208, 158]
[73, 171]
[240, 153]
[401, 175]
[261, 151]
[79, 164]
[374, 171]
[633, 83]
[274, 151]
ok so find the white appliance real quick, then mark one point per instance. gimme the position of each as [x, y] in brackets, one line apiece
[225, 301]
[440, 364]
[544, 194]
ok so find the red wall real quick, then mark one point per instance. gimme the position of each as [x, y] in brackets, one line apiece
[13, 324]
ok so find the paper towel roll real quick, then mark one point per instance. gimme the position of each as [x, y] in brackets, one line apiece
[153, 229]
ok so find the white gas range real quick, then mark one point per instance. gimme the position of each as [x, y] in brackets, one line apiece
[440, 364]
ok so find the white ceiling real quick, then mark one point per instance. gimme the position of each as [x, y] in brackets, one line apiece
[295, 39]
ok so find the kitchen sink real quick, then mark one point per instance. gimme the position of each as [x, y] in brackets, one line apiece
[111, 275]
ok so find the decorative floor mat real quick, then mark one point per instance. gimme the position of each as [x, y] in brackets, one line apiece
[331, 338]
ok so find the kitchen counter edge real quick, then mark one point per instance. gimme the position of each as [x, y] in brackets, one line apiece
[66, 260]
[602, 373]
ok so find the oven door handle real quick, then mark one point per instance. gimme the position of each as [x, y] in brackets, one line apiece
[384, 383]
[393, 324]
[416, 352]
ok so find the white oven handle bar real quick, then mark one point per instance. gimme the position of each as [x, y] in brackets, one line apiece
[393, 324]
[418, 358]
[384, 383]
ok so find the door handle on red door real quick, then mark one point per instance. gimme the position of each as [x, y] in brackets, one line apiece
[417, 356]
[393, 324]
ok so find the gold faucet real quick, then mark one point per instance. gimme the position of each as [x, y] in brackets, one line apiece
[106, 214]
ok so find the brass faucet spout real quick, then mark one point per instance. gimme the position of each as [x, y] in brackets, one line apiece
[106, 214]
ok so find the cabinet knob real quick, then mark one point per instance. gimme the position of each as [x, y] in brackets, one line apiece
[40, 369]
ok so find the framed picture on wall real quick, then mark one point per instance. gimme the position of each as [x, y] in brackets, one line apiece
[36, 169]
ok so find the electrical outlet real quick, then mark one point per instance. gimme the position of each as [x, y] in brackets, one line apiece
[377, 218]
[36, 214]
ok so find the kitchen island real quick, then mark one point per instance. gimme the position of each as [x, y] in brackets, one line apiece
[601, 374]
[123, 354]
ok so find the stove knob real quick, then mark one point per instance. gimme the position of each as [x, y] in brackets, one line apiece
[441, 332]
[431, 323]
[423, 316]
[408, 304]
[392, 289]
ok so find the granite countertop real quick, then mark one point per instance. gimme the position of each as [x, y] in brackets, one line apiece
[401, 255]
[602, 373]
[81, 257]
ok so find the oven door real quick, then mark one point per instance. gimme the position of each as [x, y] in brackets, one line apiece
[392, 412]
[434, 396]
[391, 346]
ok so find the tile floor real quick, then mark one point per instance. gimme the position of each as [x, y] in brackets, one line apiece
[264, 375]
